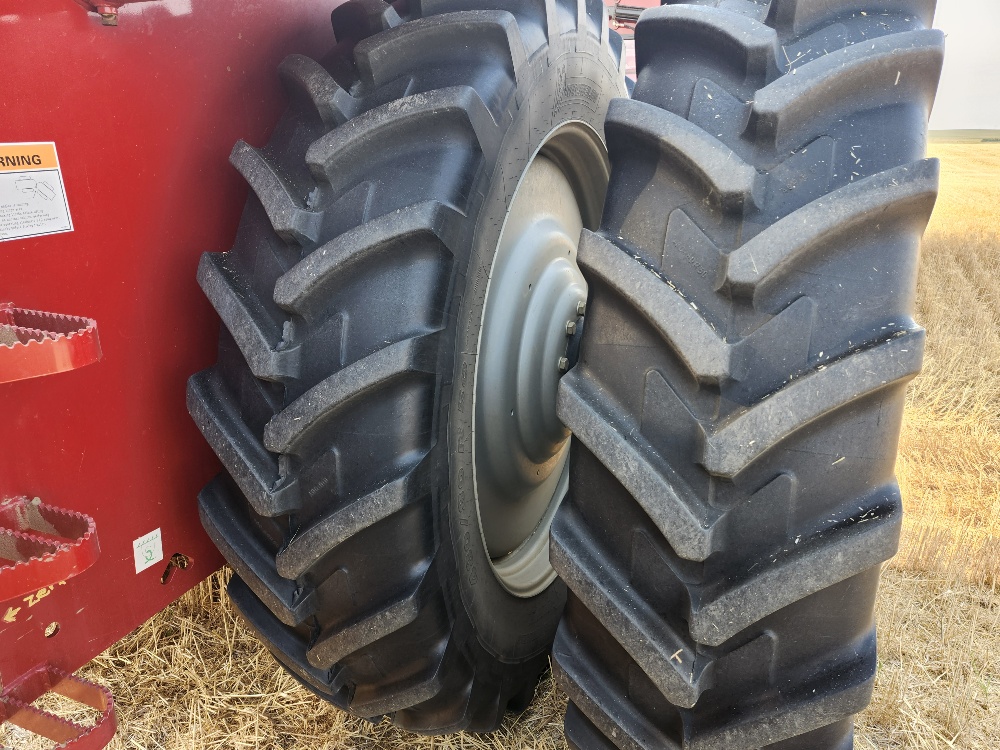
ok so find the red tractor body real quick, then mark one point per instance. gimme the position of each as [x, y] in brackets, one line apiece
[142, 116]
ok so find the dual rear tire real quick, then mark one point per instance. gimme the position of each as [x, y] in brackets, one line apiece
[409, 286]
[386, 500]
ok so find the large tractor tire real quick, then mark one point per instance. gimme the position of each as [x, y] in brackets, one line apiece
[738, 398]
[387, 498]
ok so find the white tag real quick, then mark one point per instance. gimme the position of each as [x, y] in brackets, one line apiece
[148, 550]
[32, 196]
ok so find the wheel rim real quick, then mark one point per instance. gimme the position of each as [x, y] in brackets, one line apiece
[534, 303]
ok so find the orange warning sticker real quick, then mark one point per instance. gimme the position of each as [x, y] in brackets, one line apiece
[32, 195]
[19, 157]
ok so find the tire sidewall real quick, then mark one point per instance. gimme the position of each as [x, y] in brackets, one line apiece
[575, 81]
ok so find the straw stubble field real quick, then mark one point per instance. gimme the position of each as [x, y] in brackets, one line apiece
[193, 677]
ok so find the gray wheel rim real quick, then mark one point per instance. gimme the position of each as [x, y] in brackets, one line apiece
[535, 297]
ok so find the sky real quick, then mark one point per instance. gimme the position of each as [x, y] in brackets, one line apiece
[969, 96]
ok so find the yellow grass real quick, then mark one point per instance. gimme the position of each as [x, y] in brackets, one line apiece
[949, 464]
[939, 618]
[194, 678]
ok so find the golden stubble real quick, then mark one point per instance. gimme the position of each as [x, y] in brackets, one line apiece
[194, 677]
[939, 610]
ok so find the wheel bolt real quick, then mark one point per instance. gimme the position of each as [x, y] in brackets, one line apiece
[108, 13]
[570, 327]
[563, 364]
[581, 307]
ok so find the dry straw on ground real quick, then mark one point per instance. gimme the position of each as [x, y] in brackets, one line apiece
[193, 677]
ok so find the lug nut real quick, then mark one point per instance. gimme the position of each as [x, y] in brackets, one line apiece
[563, 364]
[108, 13]
[570, 327]
[581, 307]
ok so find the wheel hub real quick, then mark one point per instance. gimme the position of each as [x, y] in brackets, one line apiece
[535, 298]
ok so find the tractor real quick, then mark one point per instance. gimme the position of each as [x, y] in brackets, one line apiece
[554, 335]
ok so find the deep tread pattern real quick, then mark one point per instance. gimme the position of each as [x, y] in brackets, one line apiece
[590, 692]
[254, 469]
[846, 690]
[290, 219]
[796, 108]
[677, 512]
[287, 649]
[908, 191]
[301, 417]
[648, 640]
[537, 20]
[331, 648]
[335, 156]
[312, 278]
[750, 47]
[728, 179]
[235, 537]
[730, 449]
[853, 545]
[798, 16]
[692, 337]
[411, 692]
[268, 359]
[309, 545]
[749, 336]
[582, 734]
[342, 302]
[361, 19]
[424, 43]
[306, 78]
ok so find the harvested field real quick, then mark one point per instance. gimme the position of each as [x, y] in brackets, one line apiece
[949, 465]
[194, 678]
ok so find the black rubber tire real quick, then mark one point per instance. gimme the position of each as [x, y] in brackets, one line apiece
[737, 404]
[351, 302]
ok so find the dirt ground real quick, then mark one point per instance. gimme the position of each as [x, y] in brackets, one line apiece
[193, 677]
